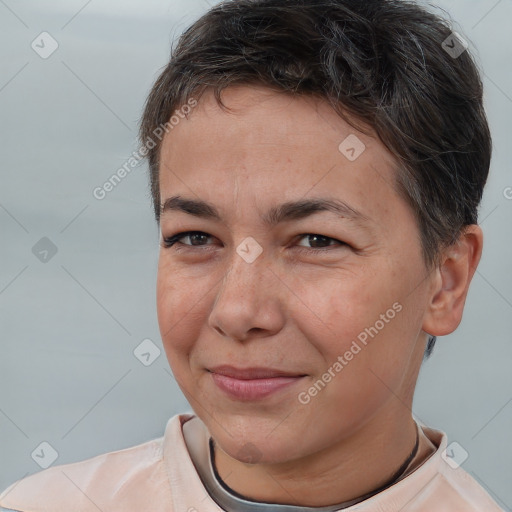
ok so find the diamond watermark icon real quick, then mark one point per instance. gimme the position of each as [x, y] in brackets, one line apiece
[454, 455]
[44, 45]
[352, 147]
[249, 249]
[455, 45]
[44, 455]
[147, 352]
[44, 250]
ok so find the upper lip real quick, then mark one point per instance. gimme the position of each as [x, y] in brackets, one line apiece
[252, 373]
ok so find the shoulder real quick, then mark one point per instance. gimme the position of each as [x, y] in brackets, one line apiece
[459, 488]
[111, 481]
[444, 485]
[88, 484]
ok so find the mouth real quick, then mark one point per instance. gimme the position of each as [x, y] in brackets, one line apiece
[250, 384]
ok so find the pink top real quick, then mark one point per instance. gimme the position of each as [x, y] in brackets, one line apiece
[159, 476]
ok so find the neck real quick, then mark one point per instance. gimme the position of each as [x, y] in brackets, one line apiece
[352, 468]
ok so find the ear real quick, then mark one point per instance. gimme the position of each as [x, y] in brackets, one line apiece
[450, 282]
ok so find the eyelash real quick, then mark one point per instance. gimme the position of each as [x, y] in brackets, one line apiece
[171, 241]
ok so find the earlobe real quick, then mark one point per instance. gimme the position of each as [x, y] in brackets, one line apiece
[451, 282]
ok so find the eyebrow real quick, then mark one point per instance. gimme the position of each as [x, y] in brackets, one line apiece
[289, 211]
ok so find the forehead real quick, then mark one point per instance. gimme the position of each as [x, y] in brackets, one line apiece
[271, 147]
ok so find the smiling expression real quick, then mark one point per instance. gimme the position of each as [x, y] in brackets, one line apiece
[295, 251]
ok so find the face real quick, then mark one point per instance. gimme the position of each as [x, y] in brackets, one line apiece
[288, 327]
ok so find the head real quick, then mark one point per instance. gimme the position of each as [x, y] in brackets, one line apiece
[266, 109]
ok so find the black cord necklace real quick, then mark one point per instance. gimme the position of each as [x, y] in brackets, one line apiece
[401, 470]
[396, 476]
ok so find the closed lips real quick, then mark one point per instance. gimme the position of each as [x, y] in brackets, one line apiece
[252, 373]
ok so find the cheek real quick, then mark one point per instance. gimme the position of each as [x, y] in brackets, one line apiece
[334, 309]
[368, 319]
[178, 300]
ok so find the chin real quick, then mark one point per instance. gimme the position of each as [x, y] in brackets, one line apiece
[258, 451]
[256, 442]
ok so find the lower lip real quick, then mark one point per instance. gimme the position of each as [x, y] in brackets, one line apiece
[252, 389]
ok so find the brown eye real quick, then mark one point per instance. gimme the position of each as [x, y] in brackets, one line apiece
[195, 238]
[320, 242]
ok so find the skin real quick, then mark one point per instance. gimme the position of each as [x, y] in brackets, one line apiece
[296, 310]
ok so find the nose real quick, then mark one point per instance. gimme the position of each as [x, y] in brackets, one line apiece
[249, 301]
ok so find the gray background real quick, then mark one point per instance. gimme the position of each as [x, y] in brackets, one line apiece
[69, 325]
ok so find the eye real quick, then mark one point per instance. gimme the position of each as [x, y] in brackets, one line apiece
[193, 236]
[317, 239]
